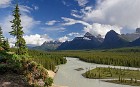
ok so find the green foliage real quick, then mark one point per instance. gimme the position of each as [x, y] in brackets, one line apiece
[49, 81]
[19, 64]
[48, 59]
[6, 45]
[18, 32]
[128, 57]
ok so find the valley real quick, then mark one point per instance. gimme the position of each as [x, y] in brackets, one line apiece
[69, 43]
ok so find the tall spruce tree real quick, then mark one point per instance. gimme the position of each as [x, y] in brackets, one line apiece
[6, 45]
[18, 32]
[1, 37]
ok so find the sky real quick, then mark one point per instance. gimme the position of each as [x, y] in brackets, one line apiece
[47, 20]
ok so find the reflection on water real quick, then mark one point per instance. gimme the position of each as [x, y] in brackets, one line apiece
[68, 76]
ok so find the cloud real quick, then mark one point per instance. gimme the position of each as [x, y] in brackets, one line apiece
[119, 15]
[12, 42]
[4, 3]
[6, 25]
[25, 9]
[54, 29]
[124, 13]
[27, 22]
[82, 2]
[74, 13]
[70, 21]
[102, 29]
[74, 34]
[35, 39]
[63, 39]
[94, 28]
[52, 22]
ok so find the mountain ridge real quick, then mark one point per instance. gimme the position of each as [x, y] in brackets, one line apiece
[89, 41]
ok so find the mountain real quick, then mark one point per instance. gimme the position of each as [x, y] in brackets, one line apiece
[131, 36]
[31, 45]
[52, 45]
[135, 43]
[88, 41]
[113, 40]
[138, 30]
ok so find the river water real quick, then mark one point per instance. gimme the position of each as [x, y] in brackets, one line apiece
[68, 76]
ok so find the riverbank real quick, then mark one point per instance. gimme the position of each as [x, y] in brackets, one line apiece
[52, 75]
[112, 73]
[121, 76]
[69, 75]
[131, 82]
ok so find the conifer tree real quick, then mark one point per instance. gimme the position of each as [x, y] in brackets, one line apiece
[6, 45]
[18, 32]
[1, 37]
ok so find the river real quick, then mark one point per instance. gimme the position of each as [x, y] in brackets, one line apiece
[68, 76]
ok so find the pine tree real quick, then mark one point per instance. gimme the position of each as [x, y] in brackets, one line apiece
[1, 37]
[6, 45]
[18, 32]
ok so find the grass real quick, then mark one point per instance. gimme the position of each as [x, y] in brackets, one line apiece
[125, 82]
[112, 73]
[121, 76]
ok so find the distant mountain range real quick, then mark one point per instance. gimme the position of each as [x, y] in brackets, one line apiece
[89, 41]
[52, 45]
[131, 36]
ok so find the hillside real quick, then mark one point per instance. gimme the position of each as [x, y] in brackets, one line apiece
[88, 41]
[113, 40]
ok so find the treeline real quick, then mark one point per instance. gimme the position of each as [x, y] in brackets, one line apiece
[109, 57]
[48, 59]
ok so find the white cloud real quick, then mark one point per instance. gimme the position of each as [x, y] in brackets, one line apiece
[12, 42]
[102, 29]
[4, 3]
[124, 13]
[70, 21]
[37, 39]
[119, 15]
[32, 39]
[6, 25]
[63, 39]
[82, 2]
[51, 22]
[75, 34]
[94, 28]
[74, 13]
[24, 8]
[27, 21]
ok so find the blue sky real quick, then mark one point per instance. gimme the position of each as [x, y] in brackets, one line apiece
[45, 20]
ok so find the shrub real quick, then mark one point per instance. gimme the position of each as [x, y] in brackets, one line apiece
[49, 81]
